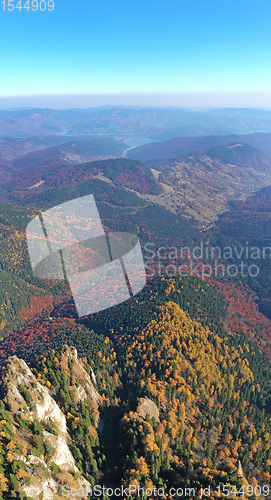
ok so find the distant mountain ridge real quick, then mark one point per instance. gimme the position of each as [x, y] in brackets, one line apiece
[129, 120]
[17, 155]
[241, 155]
[190, 132]
[71, 152]
[12, 148]
[181, 146]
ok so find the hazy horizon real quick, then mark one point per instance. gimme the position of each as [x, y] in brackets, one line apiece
[190, 101]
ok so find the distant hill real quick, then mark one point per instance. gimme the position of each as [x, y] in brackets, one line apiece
[189, 132]
[11, 148]
[104, 120]
[245, 119]
[55, 172]
[71, 152]
[188, 145]
[202, 184]
[197, 185]
[242, 155]
[38, 153]
[124, 120]
[35, 122]
[140, 121]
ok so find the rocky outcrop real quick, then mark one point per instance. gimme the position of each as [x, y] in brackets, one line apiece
[30, 400]
[147, 407]
[84, 388]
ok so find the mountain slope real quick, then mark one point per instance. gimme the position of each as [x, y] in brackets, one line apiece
[189, 132]
[248, 224]
[180, 398]
[202, 184]
[35, 442]
[178, 405]
[70, 153]
[130, 174]
[188, 145]
[24, 296]
[11, 148]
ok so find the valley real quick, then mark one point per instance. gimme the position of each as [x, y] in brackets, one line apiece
[171, 388]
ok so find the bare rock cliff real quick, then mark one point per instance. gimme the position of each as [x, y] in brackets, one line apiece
[27, 399]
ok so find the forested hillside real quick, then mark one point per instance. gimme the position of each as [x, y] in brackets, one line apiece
[172, 388]
[247, 224]
[181, 402]
[190, 145]
[202, 185]
[54, 173]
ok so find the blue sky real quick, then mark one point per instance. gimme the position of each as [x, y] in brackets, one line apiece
[156, 48]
